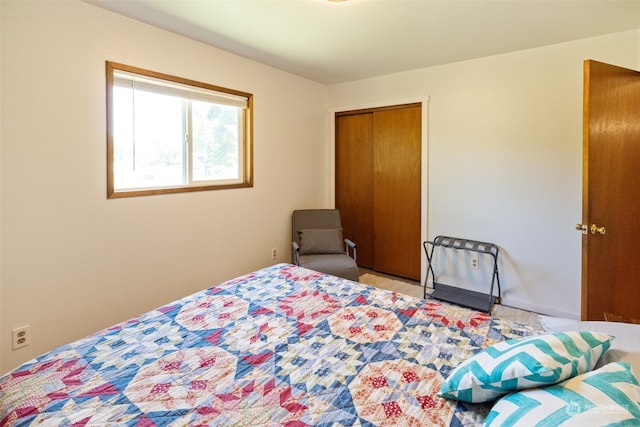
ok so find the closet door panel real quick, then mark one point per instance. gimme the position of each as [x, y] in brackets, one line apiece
[397, 182]
[354, 182]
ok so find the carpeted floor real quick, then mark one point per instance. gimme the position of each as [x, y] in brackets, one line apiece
[412, 288]
[392, 284]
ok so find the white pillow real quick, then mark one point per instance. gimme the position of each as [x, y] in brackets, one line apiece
[521, 363]
[607, 396]
[625, 348]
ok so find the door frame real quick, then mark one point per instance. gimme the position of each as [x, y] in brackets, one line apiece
[330, 196]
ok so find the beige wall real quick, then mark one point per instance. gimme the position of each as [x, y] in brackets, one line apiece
[503, 149]
[74, 262]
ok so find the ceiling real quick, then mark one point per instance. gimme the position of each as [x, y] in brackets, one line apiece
[332, 42]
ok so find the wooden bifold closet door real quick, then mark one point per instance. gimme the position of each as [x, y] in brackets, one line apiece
[378, 186]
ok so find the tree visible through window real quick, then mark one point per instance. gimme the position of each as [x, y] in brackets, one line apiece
[168, 134]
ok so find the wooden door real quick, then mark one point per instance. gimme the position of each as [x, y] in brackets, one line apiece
[611, 196]
[378, 170]
[396, 206]
[354, 182]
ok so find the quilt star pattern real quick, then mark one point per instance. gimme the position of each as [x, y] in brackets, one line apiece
[282, 346]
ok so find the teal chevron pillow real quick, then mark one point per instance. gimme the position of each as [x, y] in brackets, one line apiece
[607, 396]
[524, 363]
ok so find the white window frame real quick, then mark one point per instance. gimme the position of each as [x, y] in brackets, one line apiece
[120, 74]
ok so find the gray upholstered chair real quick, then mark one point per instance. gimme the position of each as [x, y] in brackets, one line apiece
[317, 243]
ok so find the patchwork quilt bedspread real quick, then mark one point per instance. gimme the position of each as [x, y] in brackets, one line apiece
[282, 346]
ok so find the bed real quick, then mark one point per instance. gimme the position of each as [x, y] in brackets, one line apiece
[282, 346]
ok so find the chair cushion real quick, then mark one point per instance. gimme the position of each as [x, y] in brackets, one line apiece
[321, 241]
[341, 265]
[524, 363]
[607, 396]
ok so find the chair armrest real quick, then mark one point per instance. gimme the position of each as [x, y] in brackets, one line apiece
[352, 245]
[296, 252]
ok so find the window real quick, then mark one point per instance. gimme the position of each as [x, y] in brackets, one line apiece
[167, 134]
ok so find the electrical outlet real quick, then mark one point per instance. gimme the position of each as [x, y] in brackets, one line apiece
[474, 262]
[274, 253]
[21, 337]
